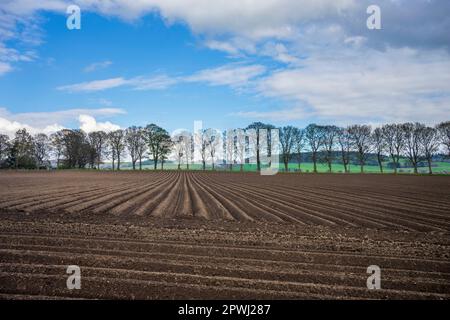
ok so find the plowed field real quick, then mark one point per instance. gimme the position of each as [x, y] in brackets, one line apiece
[153, 235]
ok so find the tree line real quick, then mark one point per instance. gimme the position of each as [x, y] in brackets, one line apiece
[323, 143]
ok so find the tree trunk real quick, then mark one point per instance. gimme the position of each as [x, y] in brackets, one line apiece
[286, 164]
[362, 168]
[429, 166]
[258, 163]
[204, 165]
[315, 162]
[395, 165]
[380, 163]
[343, 160]
[242, 167]
[155, 164]
[140, 163]
[329, 166]
[134, 164]
[118, 162]
[113, 163]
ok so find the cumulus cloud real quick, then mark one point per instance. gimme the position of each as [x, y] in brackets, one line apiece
[89, 124]
[396, 85]
[406, 23]
[333, 65]
[49, 122]
[9, 127]
[412, 23]
[42, 119]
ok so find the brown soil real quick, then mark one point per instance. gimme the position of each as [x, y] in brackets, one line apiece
[171, 235]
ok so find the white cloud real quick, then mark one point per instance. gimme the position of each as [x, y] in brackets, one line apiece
[4, 68]
[139, 83]
[89, 124]
[105, 102]
[97, 65]
[158, 82]
[97, 85]
[230, 75]
[253, 18]
[222, 46]
[42, 119]
[396, 85]
[233, 75]
[335, 66]
[11, 127]
[234, 46]
[279, 52]
[280, 115]
[49, 122]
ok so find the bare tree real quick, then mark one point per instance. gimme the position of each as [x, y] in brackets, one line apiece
[132, 140]
[329, 141]
[98, 141]
[112, 152]
[4, 146]
[444, 133]
[287, 142]
[379, 145]
[188, 148]
[201, 140]
[412, 133]
[165, 150]
[314, 138]
[76, 148]
[429, 142]
[229, 147]
[345, 144]
[141, 146]
[56, 139]
[178, 148]
[257, 138]
[360, 136]
[240, 147]
[91, 153]
[395, 141]
[213, 141]
[23, 150]
[299, 144]
[117, 140]
[41, 148]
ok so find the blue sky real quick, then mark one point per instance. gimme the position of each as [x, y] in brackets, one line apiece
[227, 63]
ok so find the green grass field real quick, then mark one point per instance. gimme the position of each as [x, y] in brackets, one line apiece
[438, 168]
